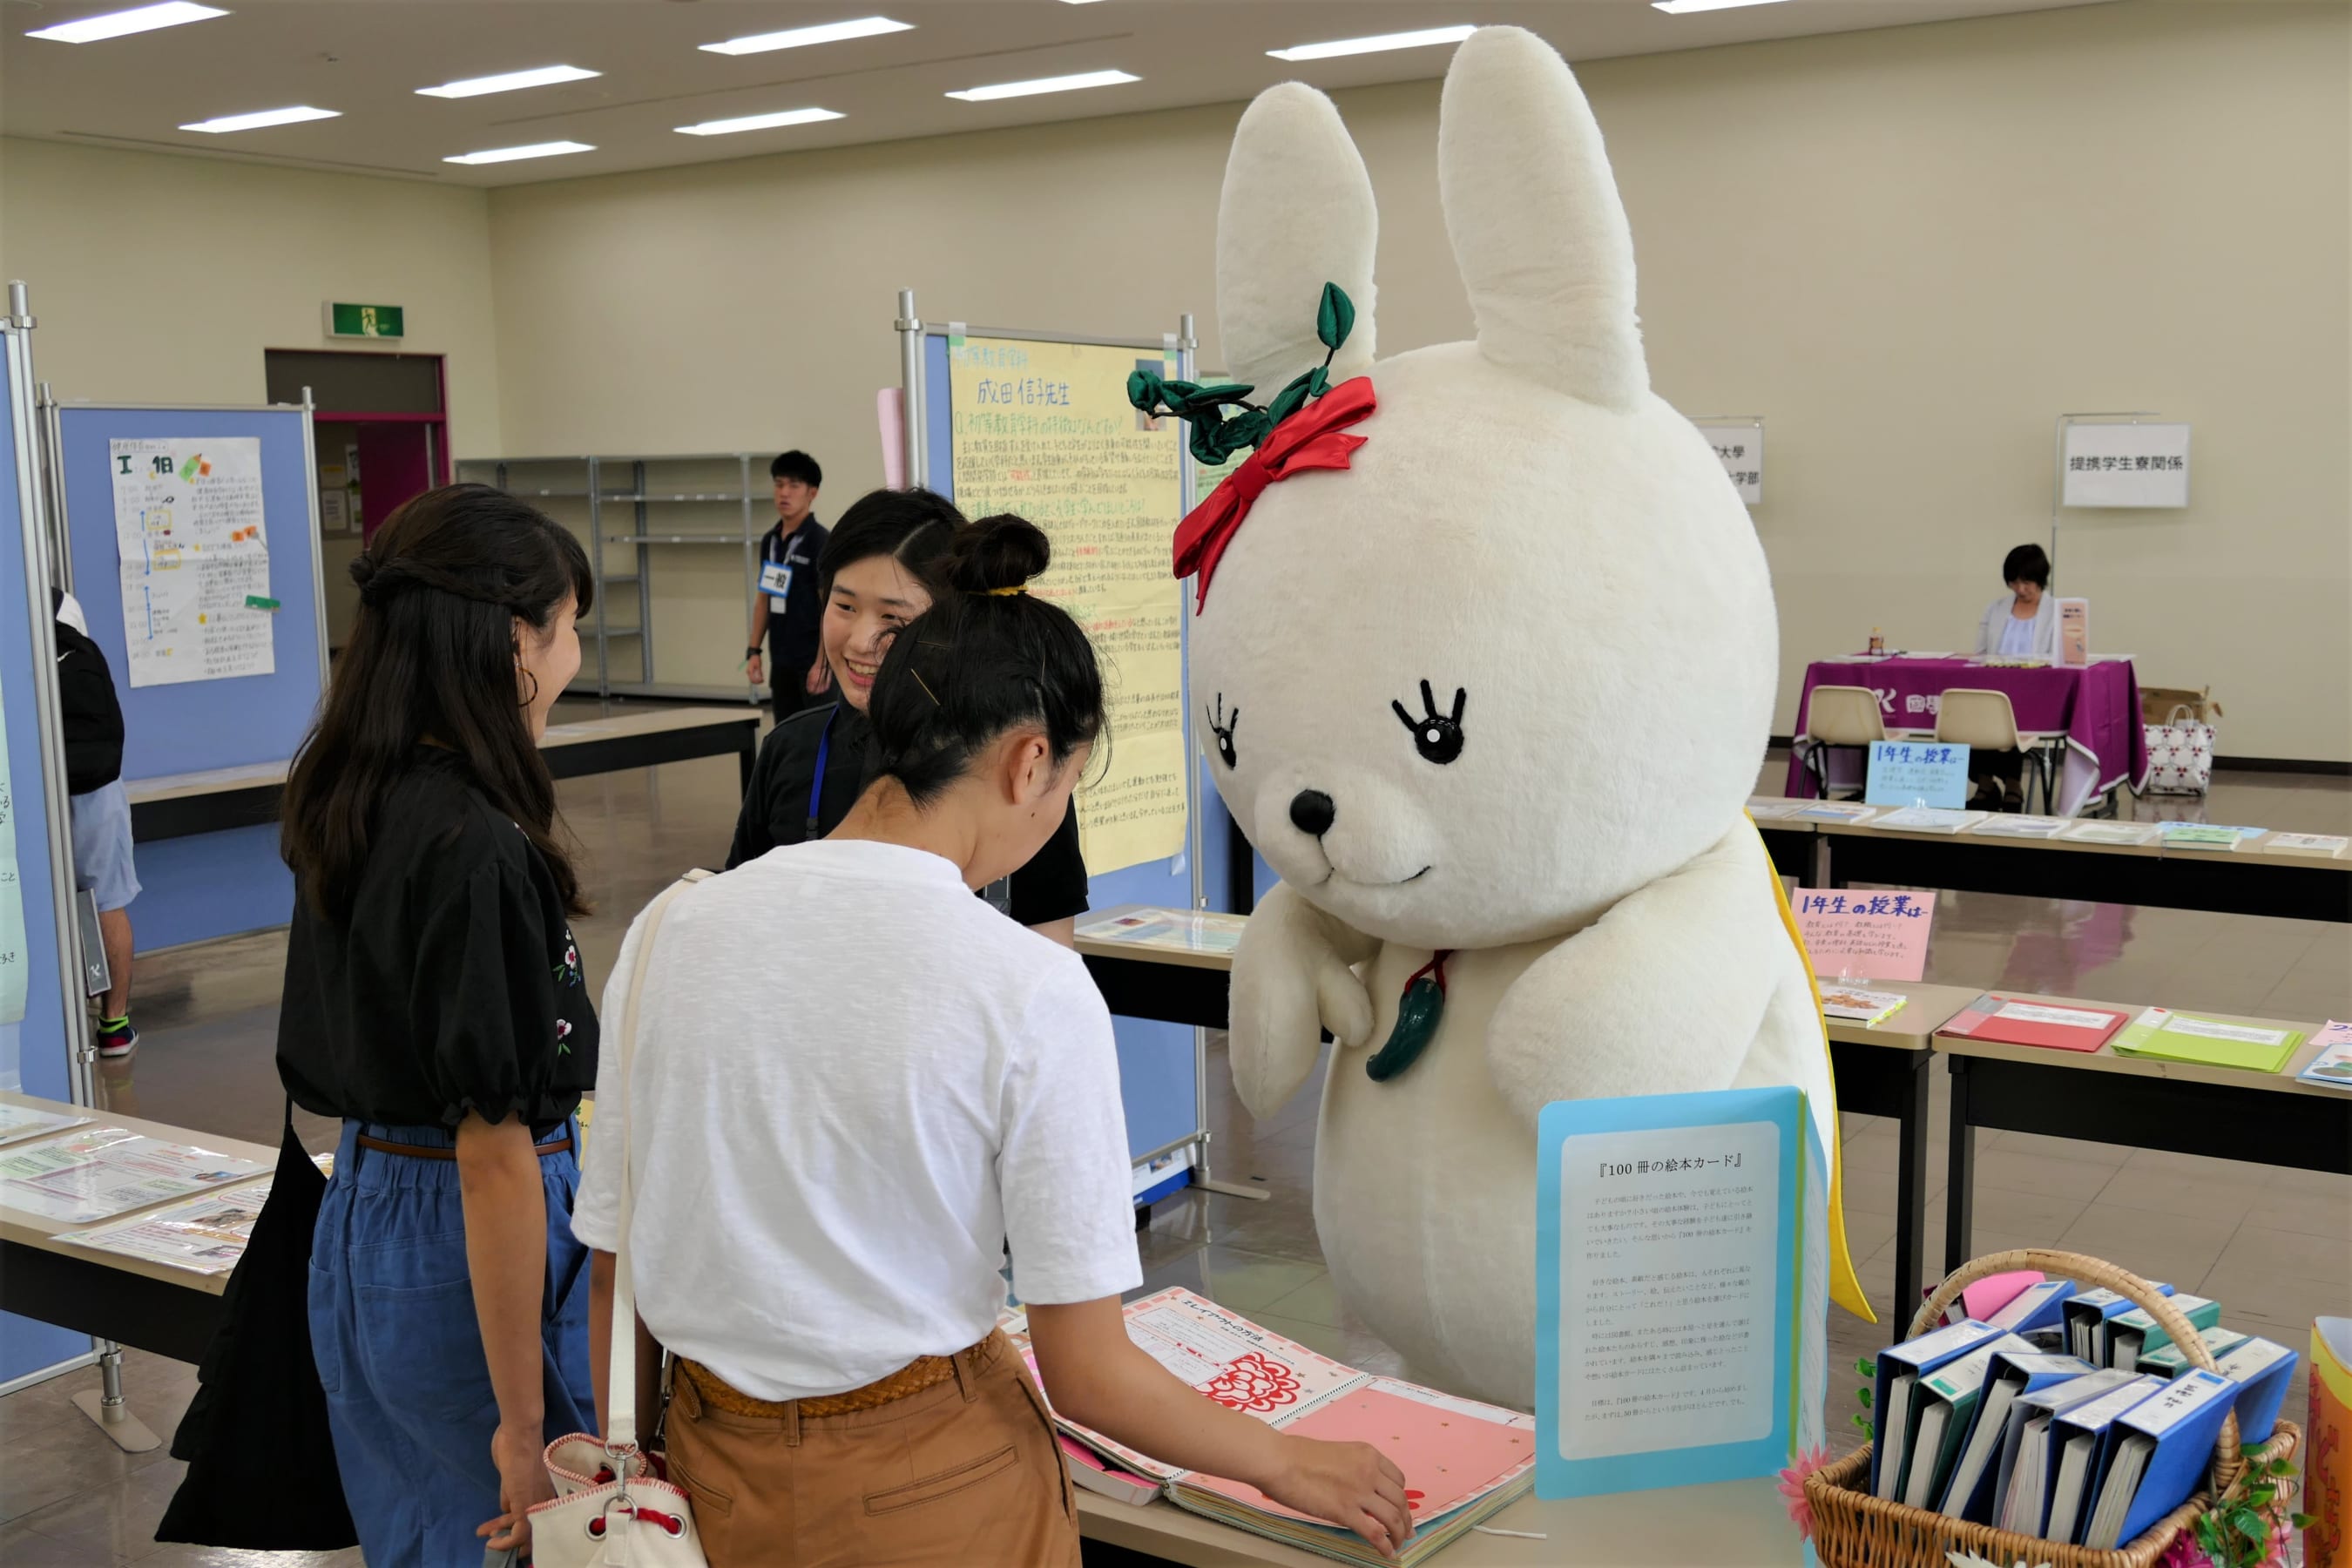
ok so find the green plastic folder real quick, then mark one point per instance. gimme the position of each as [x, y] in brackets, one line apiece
[2185, 1037]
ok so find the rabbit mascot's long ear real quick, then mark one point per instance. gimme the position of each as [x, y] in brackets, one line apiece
[1297, 214]
[1538, 229]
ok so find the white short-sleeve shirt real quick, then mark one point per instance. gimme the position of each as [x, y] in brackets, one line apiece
[854, 1083]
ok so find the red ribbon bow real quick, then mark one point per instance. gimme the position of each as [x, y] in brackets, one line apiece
[1315, 437]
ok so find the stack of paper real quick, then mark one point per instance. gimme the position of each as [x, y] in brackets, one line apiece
[1773, 808]
[1837, 811]
[1868, 1008]
[2199, 835]
[2332, 1068]
[2131, 833]
[21, 1121]
[2174, 1037]
[206, 1236]
[2329, 844]
[1930, 820]
[1463, 1462]
[106, 1171]
[2001, 825]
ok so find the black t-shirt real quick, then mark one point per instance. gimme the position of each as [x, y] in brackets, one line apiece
[455, 985]
[1052, 887]
[792, 620]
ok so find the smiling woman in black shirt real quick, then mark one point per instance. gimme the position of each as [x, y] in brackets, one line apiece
[435, 1002]
[880, 569]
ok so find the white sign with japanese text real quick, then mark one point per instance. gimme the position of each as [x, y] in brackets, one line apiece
[1740, 446]
[2125, 465]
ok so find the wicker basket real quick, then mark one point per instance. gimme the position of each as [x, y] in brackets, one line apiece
[1854, 1528]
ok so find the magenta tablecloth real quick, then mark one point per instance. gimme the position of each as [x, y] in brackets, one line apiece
[2096, 708]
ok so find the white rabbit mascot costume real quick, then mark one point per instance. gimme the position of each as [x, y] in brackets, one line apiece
[1487, 644]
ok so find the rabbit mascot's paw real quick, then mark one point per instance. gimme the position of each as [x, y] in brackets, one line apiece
[1487, 644]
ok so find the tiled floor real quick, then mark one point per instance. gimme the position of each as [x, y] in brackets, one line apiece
[2274, 1246]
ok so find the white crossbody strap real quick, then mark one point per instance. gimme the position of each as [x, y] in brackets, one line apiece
[623, 1418]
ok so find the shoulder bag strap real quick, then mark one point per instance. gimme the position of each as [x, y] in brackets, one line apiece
[623, 1418]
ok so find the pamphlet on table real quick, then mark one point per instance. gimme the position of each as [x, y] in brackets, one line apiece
[18, 1123]
[2001, 825]
[1179, 931]
[1853, 1005]
[2199, 835]
[2332, 1068]
[2167, 1035]
[2323, 844]
[107, 1171]
[1462, 1461]
[1837, 811]
[2127, 833]
[1931, 819]
[206, 1235]
[2015, 1021]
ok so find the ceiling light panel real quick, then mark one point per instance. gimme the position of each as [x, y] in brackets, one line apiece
[1372, 46]
[511, 154]
[262, 119]
[512, 82]
[758, 122]
[800, 37]
[1044, 84]
[118, 23]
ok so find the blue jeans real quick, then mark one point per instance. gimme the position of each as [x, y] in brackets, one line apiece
[400, 1350]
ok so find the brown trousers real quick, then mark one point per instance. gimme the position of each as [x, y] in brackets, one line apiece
[965, 1472]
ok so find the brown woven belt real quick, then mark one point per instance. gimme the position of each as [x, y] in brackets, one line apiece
[925, 1371]
[425, 1151]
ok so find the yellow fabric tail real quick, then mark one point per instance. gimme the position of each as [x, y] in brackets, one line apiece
[1846, 1288]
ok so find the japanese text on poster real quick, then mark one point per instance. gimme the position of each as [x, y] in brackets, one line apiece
[195, 558]
[2125, 465]
[1669, 1280]
[1740, 448]
[1917, 772]
[1866, 936]
[1044, 431]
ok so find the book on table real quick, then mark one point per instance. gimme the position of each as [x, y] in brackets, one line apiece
[1773, 808]
[2200, 837]
[2332, 1068]
[1853, 1005]
[1837, 811]
[2020, 1021]
[1930, 820]
[2126, 833]
[1462, 1461]
[2166, 1036]
[2002, 824]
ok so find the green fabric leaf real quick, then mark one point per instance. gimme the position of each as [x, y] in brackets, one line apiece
[1318, 381]
[1145, 391]
[1289, 400]
[1335, 317]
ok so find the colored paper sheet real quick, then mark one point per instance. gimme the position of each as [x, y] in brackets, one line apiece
[195, 558]
[1866, 936]
[1044, 431]
[2184, 1037]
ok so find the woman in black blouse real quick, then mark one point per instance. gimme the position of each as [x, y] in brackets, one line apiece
[881, 569]
[435, 1002]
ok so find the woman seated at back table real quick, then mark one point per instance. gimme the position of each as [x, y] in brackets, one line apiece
[2020, 623]
[2023, 621]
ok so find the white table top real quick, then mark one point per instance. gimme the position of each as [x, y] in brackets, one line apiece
[1727, 1524]
[2250, 850]
[2104, 1058]
[649, 721]
[42, 1232]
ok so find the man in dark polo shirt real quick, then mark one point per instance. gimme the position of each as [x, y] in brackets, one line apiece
[786, 608]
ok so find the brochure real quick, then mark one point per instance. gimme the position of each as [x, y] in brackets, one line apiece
[206, 1235]
[109, 1171]
[2332, 1068]
[18, 1123]
[1179, 931]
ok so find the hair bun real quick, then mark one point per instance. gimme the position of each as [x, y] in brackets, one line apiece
[365, 569]
[997, 553]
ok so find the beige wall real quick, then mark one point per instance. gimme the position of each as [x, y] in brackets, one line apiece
[1909, 249]
[162, 278]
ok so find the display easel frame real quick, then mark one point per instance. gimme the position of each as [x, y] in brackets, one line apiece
[1181, 345]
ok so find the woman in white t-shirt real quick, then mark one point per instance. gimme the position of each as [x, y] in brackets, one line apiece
[830, 1156]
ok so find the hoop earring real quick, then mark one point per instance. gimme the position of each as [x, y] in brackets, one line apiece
[527, 675]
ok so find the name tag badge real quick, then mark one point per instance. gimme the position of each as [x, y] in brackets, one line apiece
[776, 580]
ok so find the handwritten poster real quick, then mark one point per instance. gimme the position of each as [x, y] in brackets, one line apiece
[1866, 936]
[12, 898]
[1044, 431]
[195, 558]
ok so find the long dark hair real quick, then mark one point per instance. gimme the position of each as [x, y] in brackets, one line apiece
[913, 527]
[985, 657]
[434, 656]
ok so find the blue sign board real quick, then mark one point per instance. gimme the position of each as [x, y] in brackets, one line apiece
[1917, 772]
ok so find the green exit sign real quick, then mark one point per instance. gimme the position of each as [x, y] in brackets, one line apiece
[363, 321]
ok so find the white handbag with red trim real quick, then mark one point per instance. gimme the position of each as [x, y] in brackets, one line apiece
[2179, 754]
[611, 1509]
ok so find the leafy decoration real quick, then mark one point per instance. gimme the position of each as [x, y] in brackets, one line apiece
[1217, 433]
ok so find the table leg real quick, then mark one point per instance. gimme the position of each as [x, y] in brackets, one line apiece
[744, 760]
[1959, 1189]
[1820, 870]
[1911, 1189]
[105, 1406]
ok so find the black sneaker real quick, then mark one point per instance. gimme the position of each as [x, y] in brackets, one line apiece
[117, 1039]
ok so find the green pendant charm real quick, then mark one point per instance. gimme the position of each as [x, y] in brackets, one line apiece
[1419, 1012]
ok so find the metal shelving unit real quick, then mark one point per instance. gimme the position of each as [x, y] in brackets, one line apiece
[624, 504]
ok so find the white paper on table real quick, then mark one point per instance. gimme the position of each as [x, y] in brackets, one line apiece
[109, 1171]
[188, 527]
[18, 1123]
[2068, 1017]
[206, 1235]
